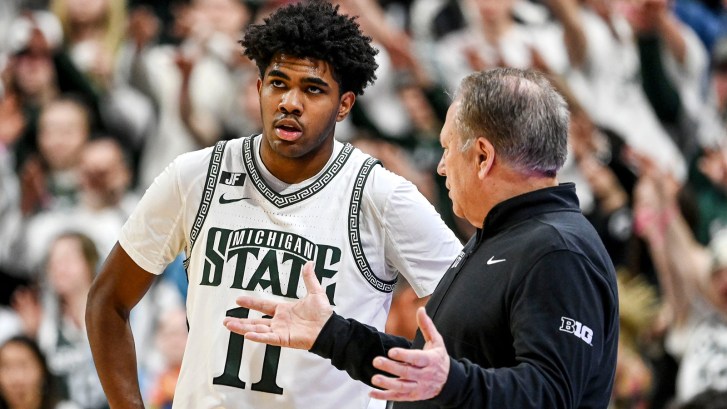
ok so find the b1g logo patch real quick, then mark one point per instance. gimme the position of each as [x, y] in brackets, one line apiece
[232, 179]
[574, 327]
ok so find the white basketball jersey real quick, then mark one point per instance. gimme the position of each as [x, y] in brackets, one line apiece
[248, 239]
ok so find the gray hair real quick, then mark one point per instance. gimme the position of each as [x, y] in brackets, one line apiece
[520, 113]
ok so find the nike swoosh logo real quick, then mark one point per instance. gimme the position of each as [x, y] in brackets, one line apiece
[226, 201]
[493, 261]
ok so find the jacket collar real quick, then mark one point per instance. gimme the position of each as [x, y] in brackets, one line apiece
[522, 207]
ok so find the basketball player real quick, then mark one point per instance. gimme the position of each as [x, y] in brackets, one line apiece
[249, 213]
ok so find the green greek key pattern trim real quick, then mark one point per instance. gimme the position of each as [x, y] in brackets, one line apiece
[213, 173]
[353, 230]
[279, 200]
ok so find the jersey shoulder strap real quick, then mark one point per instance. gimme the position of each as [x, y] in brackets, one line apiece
[354, 236]
[210, 184]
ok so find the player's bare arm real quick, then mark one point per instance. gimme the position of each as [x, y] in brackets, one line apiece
[117, 288]
[293, 325]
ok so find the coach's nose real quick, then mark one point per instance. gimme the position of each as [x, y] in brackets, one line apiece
[440, 167]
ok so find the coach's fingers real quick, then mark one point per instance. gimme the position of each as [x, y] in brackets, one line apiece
[409, 359]
[310, 280]
[267, 307]
[401, 369]
[243, 325]
[393, 389]
[269, 338]
[429, 331]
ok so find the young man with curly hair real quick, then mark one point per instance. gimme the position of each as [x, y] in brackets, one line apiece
[249, 213]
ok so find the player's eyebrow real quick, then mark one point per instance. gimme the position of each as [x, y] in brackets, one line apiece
[278, 73]
[310, 80]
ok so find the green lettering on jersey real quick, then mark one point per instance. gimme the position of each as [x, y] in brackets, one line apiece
[296, 267]
[283, 257]
[323, 260]
[267, 267]
[233, 362]
[241, 254]
[214, 256]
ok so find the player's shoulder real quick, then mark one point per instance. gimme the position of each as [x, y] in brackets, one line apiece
[193, 161]
[382, 184]
[200, 159]
[384, 178]
[189, 167]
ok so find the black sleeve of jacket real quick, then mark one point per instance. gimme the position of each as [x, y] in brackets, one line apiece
[556, 368]
[352, 346]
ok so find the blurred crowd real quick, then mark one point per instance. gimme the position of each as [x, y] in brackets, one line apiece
[98, 96]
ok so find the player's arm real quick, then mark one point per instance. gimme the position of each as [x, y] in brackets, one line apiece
[120, 284]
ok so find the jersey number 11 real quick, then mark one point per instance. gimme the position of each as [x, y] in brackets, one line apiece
[230, 375]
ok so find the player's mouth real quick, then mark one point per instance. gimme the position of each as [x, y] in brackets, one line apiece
[288, 130]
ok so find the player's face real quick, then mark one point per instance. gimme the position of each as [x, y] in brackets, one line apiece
[300, 103]
[458, 167]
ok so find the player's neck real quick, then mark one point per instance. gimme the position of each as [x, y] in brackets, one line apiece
[296, 170]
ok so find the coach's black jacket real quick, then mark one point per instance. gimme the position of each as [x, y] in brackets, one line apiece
[528, 312]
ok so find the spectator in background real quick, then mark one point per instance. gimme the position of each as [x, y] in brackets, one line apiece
[8, 11]
[693, 278]
[493, 38]
[52, 179]
[69, 270]
[190, 84]
[94, 33]
[29, 80]
[38, 71]
[26, 382]
[707, 185]
[719, 77]
[608, 92]
[709, 399]
[638, 307]
[103, 200]
[597, 163]
[673, 66]
[709, 21]
[11, 226]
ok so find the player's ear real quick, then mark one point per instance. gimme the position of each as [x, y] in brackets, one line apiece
[344, 107]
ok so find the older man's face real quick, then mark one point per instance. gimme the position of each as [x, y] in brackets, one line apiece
[459, 168]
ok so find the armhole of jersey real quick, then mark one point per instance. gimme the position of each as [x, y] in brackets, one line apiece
[210, 184]
[354, 238]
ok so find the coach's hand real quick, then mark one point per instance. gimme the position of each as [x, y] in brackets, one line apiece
[293, 325]
[419, 374]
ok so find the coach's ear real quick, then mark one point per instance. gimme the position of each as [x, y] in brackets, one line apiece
[484, 156]
[344, 107]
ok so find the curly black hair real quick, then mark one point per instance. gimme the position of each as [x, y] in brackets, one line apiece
[315, 30]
